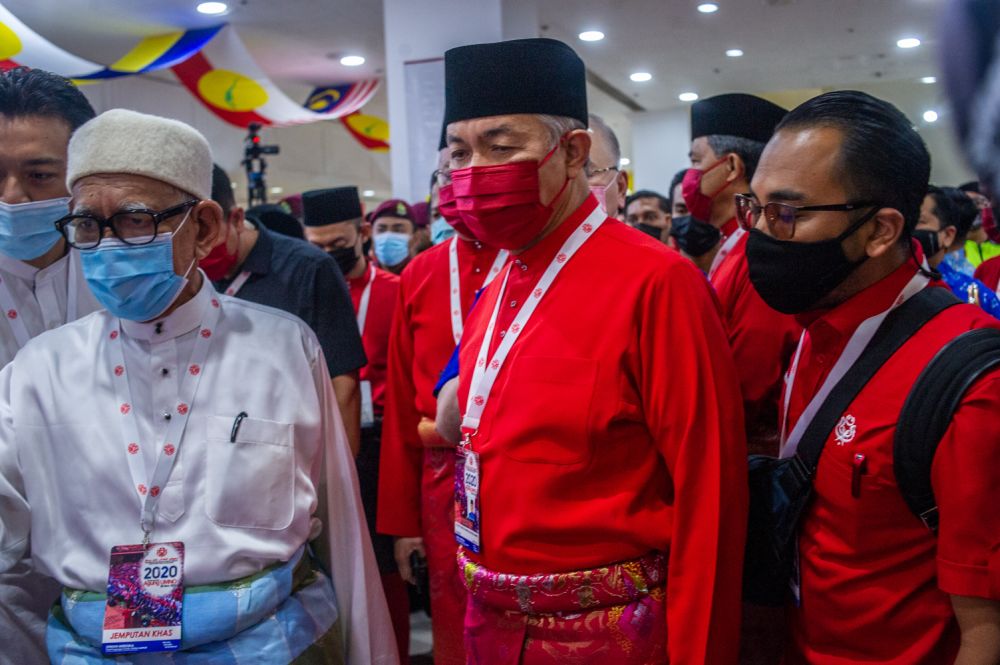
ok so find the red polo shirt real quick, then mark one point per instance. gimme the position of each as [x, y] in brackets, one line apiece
[378, 322]
[762, 341]
[875, 581]
[421, 342]
[614, 428]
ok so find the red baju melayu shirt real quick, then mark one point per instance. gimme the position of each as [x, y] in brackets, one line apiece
[615, 428]
[875, 580]
[988, 273]
[420, 345]
[378, 323]
[762, 341]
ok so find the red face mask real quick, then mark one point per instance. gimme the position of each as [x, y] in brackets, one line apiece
[500, 204]
[449, 210]
[219, 261]
[698, 203]
[990, 224]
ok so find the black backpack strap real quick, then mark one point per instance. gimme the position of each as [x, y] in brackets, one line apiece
[928, 411]
[898, 326]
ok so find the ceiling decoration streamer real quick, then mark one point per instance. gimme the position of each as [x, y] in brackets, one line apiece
[225, 78]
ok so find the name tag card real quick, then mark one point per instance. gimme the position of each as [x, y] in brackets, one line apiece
[467, 517]
[145, 594]
[367, 406]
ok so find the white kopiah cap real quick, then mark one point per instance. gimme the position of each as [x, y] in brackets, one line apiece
[123, 141]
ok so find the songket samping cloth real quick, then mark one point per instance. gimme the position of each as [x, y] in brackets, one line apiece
[283, 614]
[613, 614]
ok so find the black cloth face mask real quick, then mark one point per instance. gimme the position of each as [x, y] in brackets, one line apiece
[649, 229]
[792, 277]
[929, 241]
[346, 258]
[694, 237]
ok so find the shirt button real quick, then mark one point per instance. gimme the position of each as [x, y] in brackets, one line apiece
[503, 332]
[166, 415]
[164, 371]
[477, 271]
[524, 266]
[479, 245]
[513, 303]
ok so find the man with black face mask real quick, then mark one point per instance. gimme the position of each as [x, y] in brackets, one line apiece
[268, 268]
[728, 133]
[834, 202]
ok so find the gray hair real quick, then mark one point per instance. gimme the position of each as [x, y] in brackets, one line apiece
[559, 125]
[597, 124]
[747, 149]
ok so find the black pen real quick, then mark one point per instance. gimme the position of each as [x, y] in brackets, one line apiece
[236, 426]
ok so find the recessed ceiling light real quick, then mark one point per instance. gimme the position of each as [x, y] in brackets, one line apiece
[368, 193]
[688, 96]
[641, 77]
[908, 42]
[591, 35]
[929, 79]
[624, 161]
[277, 190]
[735, 53]
[352, 60]
[930, 116]
[212, 8]
[708, 8]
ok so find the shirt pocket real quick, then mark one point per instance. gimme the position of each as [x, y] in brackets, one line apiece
[250, 482]
[551, 409]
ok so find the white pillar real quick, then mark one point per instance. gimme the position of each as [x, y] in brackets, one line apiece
[661, 141]
[416, 36]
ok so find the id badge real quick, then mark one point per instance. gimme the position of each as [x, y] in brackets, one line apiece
[467, 499]
[145, 593]
[367, 407]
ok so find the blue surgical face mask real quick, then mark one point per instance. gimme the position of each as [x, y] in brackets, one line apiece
[391, 247]
[28, 230]
[134, 282]
[441, 231]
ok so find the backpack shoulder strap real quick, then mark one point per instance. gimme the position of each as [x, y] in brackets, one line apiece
[898, 326]
[928, 411]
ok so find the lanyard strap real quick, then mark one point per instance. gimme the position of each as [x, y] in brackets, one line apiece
[238, 283]
[725, 250]
[149, 489]
[365, 299]
[856, 345]
[456, 288]
[485, 373]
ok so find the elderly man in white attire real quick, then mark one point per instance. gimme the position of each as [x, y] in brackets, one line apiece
[178, 460]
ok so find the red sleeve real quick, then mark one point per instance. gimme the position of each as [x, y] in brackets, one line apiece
[763, 342]
[966, 480]
[402, 453]
[988, 272]
[694, 410]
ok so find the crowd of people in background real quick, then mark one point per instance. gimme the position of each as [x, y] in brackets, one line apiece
[748, 416]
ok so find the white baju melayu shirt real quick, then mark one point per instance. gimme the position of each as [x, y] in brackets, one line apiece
[42, 299]
[32, 301]
[237, 507]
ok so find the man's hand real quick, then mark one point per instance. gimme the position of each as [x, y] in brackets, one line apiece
[345, 387]
[404, 547]
[979, 621]
[448, 420]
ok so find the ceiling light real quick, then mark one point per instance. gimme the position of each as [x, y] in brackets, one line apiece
[641, 77]
[688, 96]
[930, 116]
[624, 161]
[212, 8]
[368, 193]
[735, 53]
[591, 35]
[908, 42]
[708, 8]
[929, 79]
[277, 190]
[352, 60]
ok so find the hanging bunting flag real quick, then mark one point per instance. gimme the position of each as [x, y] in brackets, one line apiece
[369, 131]
[22, 46]
[225, 78]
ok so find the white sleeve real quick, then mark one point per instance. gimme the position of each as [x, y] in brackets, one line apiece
[15, 516]
[363, 613]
